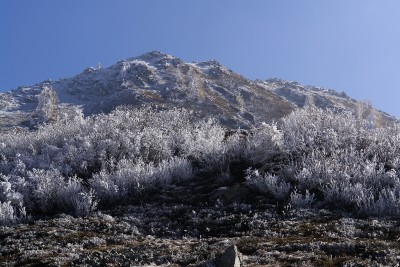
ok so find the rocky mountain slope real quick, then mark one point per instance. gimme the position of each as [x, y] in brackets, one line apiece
[166, 81]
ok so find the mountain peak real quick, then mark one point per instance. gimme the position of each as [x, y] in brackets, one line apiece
[156, 59]
[154, 55]
[156, 78]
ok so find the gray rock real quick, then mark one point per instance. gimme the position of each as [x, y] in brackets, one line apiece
[230, 258]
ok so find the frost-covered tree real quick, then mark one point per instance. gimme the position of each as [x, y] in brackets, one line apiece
[47, 109]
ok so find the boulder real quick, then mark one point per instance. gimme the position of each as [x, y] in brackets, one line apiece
[230, 258]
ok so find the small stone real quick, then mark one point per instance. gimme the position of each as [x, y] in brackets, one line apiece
[230, 258]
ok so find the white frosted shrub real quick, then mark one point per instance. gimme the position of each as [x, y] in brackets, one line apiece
[236, 145]
[337, 160]
[5, 189]
[269, 184]
[82, 146]
[205, 143]
[7, 213]
[344, 165]
[106, 189]
[127, 177]
[47, 105]
[310, 129]
[388, 203]
[84, 203]
[149, 149]
[123, 179]
[308, 178]
[343, 195]
[72, 197]
[11, 203]
[181, 169]
[173, 170]
[155, 145]
[298, 200]
[44, 187]
[347, 178]
[264, 143]
[15, 198]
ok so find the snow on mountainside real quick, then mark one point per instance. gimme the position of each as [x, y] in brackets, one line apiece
[155, 78]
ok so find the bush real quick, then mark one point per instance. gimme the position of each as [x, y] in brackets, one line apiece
[313, 156]
[337, 158]
[298, 200]
[84, 203]
[273, 185]
[7, 213]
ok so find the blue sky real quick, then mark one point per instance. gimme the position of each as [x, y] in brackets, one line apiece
[346, 45]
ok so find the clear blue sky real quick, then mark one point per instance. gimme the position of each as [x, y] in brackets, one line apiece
[346, 45]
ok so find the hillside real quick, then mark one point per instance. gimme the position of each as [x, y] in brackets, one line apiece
[158, 172]
[157, 79]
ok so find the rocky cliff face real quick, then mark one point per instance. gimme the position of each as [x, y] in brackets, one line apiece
[157, 79]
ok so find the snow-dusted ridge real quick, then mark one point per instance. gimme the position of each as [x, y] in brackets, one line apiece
[155, 78]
